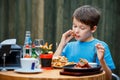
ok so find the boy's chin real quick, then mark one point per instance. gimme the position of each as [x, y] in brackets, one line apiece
[79, 39]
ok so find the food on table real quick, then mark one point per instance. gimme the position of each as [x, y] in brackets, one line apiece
[60, 61]
[83, 63]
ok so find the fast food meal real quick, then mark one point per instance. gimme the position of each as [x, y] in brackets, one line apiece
[83, 63]
[73, 34]
[60, 61]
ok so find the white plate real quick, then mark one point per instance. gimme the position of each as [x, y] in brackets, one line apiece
[28, 71]
[93, 64]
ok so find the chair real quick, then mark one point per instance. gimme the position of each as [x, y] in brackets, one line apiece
[115, 77]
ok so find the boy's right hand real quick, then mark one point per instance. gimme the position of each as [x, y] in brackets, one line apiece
[66, 37]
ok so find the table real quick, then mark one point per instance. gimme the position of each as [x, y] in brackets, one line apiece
[48, 75]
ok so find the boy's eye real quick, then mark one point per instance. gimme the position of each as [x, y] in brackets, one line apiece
[74, 26]
[82, 27]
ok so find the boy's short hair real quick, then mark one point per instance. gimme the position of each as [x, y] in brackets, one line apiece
[87, 15]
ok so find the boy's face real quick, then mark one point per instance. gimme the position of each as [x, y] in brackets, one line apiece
[82, 31]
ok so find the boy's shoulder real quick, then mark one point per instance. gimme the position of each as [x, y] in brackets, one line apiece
[100, 41]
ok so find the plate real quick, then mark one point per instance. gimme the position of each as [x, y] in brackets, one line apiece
[60, 67]
[57, 67]
[93, 64]
[28, 71]
[70, 68]
[80, 73]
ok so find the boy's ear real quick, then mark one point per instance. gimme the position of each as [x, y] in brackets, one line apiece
[93, 29]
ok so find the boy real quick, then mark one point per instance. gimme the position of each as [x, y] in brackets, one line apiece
[85, 20]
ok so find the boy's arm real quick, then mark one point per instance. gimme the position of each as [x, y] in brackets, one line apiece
[100, 54]
[106, 69]
[66, 37]
[59, 50]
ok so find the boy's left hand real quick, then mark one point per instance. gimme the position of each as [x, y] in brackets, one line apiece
[100, 51]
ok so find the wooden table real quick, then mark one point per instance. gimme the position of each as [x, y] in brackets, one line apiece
[53, 74]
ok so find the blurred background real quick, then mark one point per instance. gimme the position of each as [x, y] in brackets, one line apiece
[49, 19]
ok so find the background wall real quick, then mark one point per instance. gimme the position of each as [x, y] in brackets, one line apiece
[48, 19]
[17, 16]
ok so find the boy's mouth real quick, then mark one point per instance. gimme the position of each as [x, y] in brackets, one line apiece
[77, 36]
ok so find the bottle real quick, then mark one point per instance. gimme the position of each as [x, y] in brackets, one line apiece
[34, 55]
[27, 51]
[28, 41]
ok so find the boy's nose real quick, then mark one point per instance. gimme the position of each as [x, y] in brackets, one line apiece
[76, 31]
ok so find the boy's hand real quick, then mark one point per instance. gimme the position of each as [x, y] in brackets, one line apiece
[100, 51]
[66, 37]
